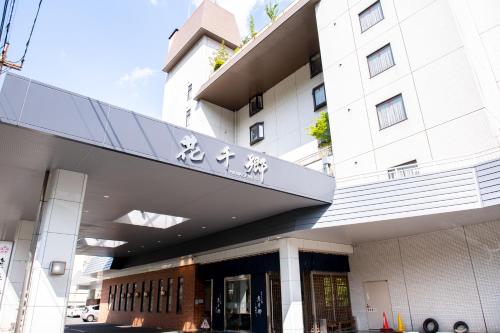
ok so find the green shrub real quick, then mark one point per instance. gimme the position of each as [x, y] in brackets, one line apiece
[321, 130]
[219, 57]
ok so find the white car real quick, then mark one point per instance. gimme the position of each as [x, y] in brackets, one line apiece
[74, 310]
[90, 313]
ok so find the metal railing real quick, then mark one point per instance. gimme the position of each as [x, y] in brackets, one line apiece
[413, 170]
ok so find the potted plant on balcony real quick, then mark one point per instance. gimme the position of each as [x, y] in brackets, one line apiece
[219, 57]
[321, 130]
[271, 9]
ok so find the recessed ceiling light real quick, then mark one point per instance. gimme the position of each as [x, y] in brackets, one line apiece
[203, 227]
[129, 251]
[142, 246]
[159, 241]
[179, 235]
[106, 196]
[234, 217]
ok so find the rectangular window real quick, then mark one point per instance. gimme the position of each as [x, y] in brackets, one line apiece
[114, 297]
[404, 170]
[143, 293]
[159, 296]
[391, 112]
[188, 117]
[180, 294]
[170, 291]
[132, 300]
[371, 16]
[127, 296]
[319, 97]
[256, 133]
[380, 60]
[315, 65]
[110, 294]
[189, 91]
[256, 104]
[151, 296]
[120, 300]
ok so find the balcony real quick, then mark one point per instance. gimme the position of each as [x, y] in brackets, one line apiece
[277, 51]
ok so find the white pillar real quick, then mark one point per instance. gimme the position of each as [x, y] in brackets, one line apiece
[291, 297]
[15, 276]
[56, 241]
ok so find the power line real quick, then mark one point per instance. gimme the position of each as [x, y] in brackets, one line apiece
[2, 22]
[7, 28]
[31, 32]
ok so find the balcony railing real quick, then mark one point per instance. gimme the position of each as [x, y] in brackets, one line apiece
[320, 160]
[412, 170]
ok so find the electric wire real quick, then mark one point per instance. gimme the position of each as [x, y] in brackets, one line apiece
[21, 60]
[7, 27]
[4, 14]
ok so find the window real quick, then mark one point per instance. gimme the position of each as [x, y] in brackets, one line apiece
[143, 292]
[256, 133]
[132, 300]
[188, 117]
[170, 290]
[256, 104]
[380, 60]
[315, 65]
[404, 170]
[114, 297]
[110, 294]
[151, 296]
[159, 298]
[120, 300]
[371, 16]
[319, 97]
[180, 294]
[189, 91]
[391, 112]
[126, 296]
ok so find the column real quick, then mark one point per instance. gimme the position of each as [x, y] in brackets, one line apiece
[55, 241]
[291, 297]
[15, 276]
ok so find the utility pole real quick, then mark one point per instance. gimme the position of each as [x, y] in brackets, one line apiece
[5, 62]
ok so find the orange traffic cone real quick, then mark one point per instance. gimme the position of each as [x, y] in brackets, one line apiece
[385, 327]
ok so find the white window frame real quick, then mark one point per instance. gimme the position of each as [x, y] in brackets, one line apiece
[362, 14]
[375, 56]
[397, 120]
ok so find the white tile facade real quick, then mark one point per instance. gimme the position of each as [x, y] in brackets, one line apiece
[15, 278]
[433, 275]
[291, 297]
[56, 241]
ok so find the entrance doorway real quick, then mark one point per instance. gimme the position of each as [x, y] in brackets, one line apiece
[237, 303]
[327, 304]
[378, 301]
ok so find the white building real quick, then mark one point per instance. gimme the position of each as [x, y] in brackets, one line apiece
[403, 217]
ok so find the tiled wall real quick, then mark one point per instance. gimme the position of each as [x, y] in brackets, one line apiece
[187, 320]
[434, 275]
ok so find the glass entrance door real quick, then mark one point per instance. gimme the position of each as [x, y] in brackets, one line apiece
[237, 303]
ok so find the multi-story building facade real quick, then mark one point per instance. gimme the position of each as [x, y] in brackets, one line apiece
[214, 227]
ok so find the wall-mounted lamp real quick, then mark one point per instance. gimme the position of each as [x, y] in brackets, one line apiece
[57, 267]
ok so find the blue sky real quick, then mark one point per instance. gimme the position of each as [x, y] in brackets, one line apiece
[112, 50]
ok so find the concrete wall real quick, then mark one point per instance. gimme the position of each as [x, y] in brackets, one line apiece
[195, 69]
[288, 112]
[442, 93]
[448, 275]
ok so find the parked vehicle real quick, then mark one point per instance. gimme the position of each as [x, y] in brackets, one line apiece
[74, 310]
[90, 313]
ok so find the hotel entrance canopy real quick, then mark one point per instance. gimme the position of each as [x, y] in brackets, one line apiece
[193, 184]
